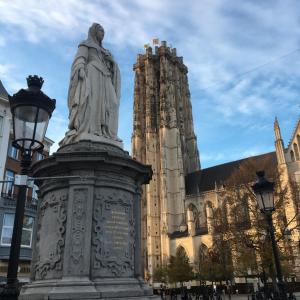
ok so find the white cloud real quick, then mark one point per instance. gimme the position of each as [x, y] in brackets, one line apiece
[219, 40]
[255, 151]
[217, 157]
[2, 41]
[48, 20]
[56, 130]
[5, 69]
[8, 77]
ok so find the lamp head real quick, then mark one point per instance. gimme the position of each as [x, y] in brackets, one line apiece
[264, 192]
[31, 110]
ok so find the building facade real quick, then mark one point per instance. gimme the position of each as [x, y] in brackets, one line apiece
[9, 167]
[181, 201]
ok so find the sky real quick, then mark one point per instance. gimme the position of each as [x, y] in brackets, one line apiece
[243, 59]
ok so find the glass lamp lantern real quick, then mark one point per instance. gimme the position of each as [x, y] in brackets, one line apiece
[264, 192]
[31, 110]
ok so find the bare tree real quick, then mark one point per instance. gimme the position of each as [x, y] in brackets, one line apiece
[239, 222]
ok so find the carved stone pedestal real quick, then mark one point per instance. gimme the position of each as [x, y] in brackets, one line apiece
[88, 232]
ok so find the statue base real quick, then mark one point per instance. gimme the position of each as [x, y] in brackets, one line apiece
[71, 137]
[84, 289]
[88, 227]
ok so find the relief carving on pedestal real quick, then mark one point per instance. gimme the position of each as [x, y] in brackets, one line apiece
[113, 235]
[78, 224]
[53, 215]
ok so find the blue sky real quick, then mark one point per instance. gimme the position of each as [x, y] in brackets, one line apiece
[243, 59]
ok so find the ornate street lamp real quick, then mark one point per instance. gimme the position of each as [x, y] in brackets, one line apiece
[31, 110]
[264, 192]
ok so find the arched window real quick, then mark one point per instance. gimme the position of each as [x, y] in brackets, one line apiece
[220, 217]
[241, 212]
[292, 155]
[203, 253]
[182, 254]
[296, 150]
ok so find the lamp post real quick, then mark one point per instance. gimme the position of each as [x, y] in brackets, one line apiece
[31, 110]
[264, 192]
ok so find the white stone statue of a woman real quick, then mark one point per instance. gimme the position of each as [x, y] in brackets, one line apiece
[94, 92]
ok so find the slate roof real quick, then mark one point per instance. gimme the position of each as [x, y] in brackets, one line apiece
[205, 179]
[178, 234]
[3, 92]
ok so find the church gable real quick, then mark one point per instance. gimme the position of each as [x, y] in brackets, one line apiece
[292, 152]
[3, 92]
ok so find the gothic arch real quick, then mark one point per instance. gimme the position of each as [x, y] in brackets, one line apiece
[242, 214]
[296, 151]
[181, 249]
[292, 155]
[203, 253]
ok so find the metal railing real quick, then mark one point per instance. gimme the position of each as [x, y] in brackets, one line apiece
[9, 200]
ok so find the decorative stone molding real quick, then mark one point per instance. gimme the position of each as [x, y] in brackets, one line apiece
[55, 206]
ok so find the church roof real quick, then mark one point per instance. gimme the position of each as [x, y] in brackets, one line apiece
[206, 179]
[3, 92]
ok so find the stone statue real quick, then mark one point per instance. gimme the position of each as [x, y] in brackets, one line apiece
[88, 243]
[94, 92]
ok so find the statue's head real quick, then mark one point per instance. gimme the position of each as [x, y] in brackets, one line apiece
[96, 32]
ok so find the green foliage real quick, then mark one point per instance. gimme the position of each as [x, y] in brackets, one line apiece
[160, 274]
[217, 264]
[179, 269]
[245, 262]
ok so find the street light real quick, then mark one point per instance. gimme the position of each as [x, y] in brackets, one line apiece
[31, 110]
[264, 192]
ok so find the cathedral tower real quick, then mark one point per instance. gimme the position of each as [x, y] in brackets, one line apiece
[163, 137]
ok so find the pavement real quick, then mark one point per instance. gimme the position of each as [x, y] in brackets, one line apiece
[237, 297]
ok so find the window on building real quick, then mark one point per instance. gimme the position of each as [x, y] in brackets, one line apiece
[12, 151]
[203, 254]
[1, 125]
[40, 156]
[296, 150]
[34, 194]
[8, 187]
[241, 211]
[292, 155]
[7, 230]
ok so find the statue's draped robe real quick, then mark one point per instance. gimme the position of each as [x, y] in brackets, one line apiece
[93, 100]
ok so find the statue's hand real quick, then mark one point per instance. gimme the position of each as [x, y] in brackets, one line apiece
[81, 73]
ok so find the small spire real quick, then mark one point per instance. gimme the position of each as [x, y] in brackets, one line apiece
[277, 130]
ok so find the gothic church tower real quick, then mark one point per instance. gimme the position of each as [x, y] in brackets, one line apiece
[163, 137]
